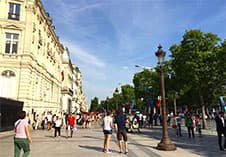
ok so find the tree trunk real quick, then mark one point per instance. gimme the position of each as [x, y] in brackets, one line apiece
[175, 104]
[203, 117]
[204, 123]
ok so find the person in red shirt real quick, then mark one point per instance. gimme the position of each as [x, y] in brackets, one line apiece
[71, 123]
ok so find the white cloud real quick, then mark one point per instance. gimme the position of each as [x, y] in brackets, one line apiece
[70, 12]
[83, 56]
[125, 67]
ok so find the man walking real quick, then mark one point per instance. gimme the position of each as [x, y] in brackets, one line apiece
[71, 124]
[221, 129]
[120, 129]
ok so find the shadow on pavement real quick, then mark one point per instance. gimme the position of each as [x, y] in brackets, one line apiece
[207, 145]
[98, 149]
[92, 137]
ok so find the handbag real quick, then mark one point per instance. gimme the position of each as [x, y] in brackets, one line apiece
[74, 129]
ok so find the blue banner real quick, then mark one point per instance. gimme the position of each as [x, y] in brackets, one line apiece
[150, 101]
[132, 104]
[222, 102]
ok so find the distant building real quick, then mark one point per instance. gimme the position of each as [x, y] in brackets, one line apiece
[34, 66]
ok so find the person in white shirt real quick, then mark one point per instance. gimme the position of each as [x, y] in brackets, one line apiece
[58, 123]
[107, 129]
[22, 139]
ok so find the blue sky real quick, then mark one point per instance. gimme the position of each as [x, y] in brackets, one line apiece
[106, 38]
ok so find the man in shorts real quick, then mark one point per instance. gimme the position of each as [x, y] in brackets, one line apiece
[120, 129]
[71, 123]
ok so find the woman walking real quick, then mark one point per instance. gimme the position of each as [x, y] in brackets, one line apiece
[107, 129]
[58, 124]
[22, 138]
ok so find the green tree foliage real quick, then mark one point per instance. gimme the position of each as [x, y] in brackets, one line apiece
[195, 62]
[127, 93]
[146, 83]
[221, 66]
[94, 106]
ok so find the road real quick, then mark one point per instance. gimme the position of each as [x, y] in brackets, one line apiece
[89, 142]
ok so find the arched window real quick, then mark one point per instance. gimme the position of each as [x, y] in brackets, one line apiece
[8, 73]
[7, 84]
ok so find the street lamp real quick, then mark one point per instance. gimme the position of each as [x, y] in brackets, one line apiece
[116, 92]
[165, 143]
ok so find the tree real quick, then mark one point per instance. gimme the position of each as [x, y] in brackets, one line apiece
[194, 62]
[127, 95]
[94, 106]
[146, 84]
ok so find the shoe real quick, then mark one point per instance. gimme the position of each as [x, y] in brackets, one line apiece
[108, 151]
[221, 149]
[126, 152]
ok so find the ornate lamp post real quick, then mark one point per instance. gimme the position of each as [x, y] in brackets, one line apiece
[165, 143]
[116, 92]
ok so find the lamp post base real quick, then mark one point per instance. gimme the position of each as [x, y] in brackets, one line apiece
[166, 145]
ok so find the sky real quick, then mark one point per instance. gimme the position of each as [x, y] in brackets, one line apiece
[107, 38]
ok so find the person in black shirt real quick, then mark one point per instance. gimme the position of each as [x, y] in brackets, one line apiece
[120, 129]
[221, 129]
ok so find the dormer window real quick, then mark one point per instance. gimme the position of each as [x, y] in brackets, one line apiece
[14, 11]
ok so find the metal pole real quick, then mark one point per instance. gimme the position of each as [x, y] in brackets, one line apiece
[165, 143]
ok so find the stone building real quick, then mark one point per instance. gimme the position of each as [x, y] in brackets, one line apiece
[32, 59]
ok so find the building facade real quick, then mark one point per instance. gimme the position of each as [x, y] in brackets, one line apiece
[32, 59]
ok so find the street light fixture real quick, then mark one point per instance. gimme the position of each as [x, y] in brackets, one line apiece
[165, 143]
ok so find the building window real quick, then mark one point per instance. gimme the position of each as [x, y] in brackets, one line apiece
[11, 45]
[8, 73]
[14, 11]
[7, 84]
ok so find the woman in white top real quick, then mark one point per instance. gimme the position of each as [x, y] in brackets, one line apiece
[22, 138]
[107, 129]
[58, 124]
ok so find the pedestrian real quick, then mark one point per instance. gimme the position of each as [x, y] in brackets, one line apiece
[49, 120]
[198, 125]
[107, 129]
[221, 130]
[58, 123]
[22, 139]
[151, 119]
[178, 123]
[135, 123]
[190, 125]
[174, 125]
[37, 121]
[71, 124]
[120, 129]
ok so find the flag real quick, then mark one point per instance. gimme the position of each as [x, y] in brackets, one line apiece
[62, 74]
[222, 101]
[158, 102]
[186, 108]
[132, 104]
[150, 101]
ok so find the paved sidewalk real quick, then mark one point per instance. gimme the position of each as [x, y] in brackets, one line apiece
[89, 142]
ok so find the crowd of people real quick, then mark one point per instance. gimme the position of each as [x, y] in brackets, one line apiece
[47, 120]
[118, 122]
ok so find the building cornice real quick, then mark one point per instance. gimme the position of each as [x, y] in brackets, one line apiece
[51, 28]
